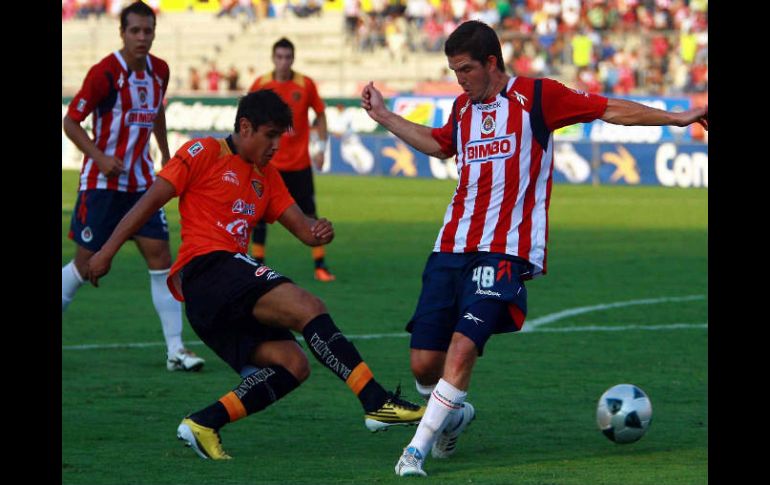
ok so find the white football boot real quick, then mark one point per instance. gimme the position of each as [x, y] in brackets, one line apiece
[410, 463]
[185, 360]
[446, 443]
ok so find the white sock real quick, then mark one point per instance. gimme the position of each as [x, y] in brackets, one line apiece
[169, 310]
[424, 391]
[444, 399]
[70, 282]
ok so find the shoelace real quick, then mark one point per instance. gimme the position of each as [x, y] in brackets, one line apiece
[411, 459]
[395, 399]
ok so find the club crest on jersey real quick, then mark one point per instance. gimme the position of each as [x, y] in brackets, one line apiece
[142, 96]
[195, 148]
[500, 147]
[86, 234]
[231, 178]
[488, 125]
[296, 96]
[258, 188]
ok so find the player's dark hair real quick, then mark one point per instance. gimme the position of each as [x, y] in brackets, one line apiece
[138, 8]
[477, 39]
[283, 42]
[262, 107]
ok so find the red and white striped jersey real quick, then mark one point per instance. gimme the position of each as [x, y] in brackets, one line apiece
[503, 148]
[124, 104]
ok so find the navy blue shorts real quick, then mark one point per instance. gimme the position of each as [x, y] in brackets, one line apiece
[98, 211]
[476, 294]
[220, 290]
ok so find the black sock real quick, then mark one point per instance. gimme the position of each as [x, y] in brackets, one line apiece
[334, 351]
[255, 392]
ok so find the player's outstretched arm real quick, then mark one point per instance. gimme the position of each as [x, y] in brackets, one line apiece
[308, 230]
[418, 136]
[624, 112]
[156, 197]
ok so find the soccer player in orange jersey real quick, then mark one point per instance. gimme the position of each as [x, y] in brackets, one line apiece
[293, 158]
[243, 310]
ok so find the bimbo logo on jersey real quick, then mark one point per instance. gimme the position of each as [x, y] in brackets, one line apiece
[490, 149]
[140, 117]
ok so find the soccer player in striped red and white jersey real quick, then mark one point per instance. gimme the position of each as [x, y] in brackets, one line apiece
[495, 229]
[124, 91]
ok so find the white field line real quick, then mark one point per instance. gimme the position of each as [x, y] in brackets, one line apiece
[530, 326]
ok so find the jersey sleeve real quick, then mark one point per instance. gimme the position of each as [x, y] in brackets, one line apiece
[314, 100]
[280, 199]
[187, 163]
[95, 88]
[445, 135]
[255, 85]
[563, 106]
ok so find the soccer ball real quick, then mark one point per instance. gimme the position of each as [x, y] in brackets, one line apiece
[624, 413]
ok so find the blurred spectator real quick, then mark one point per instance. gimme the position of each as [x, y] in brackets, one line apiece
[212, 78]
[582, 45]
[352, 10]
[195, 79]
[232, 79]
[305, 8]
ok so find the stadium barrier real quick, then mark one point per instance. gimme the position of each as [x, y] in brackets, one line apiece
[591, 153]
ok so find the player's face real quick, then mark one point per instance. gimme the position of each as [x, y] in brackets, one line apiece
[258, 146]
[283, 58]
[472, 76]
[137, 36]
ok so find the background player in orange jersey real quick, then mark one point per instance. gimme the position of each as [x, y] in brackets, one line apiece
[124, 91]
[293, 158]
[242, 309]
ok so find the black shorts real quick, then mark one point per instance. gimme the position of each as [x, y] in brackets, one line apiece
[300, 185]
[220, 290]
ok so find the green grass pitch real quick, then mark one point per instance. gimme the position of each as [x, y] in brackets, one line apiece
[631, 253]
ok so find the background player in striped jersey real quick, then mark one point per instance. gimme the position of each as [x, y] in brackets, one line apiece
[242, 309]
[125, 93]
[495, 228]
[293, 158]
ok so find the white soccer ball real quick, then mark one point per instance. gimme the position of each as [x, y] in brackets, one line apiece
[624, 413]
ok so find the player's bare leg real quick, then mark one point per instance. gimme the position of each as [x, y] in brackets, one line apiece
[157, 254]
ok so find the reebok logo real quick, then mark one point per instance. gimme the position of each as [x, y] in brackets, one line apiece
[470, 316]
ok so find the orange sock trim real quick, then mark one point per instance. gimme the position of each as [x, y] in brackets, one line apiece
[318, 252]
[359, 378]
[258, 251]
[234, 406]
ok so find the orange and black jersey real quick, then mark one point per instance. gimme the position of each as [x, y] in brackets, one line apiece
[221, 198]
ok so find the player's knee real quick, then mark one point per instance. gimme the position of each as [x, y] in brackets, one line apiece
[310, 306]
[299, 367]
[427, 371]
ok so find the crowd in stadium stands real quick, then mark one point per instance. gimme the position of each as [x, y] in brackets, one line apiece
[600, 46]
[609, 46]
[83, 9]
